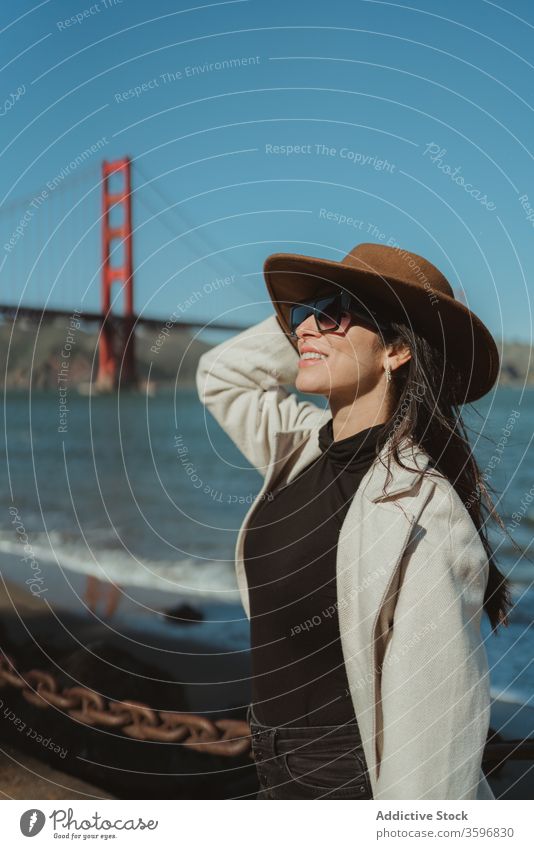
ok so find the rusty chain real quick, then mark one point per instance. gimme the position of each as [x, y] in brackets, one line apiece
[228, 737]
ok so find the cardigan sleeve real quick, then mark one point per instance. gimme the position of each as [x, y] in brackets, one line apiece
[241, 382]
[435, 696]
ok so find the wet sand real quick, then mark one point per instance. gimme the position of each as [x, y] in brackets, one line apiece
[23, 777]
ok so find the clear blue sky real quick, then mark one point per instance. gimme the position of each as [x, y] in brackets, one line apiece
[375, 84]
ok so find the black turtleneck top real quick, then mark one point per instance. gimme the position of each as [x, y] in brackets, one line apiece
[298, 671]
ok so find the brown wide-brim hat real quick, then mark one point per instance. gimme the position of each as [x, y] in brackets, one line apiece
[398, 285]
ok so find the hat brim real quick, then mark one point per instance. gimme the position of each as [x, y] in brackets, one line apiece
[444, 321]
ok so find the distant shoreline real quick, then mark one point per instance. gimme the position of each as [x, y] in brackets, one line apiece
[36, 360]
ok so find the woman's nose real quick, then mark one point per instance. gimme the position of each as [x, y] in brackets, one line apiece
[307, 326]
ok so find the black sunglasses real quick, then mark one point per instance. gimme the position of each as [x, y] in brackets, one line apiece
[333, 312]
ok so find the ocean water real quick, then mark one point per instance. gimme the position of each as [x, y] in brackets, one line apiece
[149, 492]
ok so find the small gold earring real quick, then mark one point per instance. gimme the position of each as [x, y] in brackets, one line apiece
[388, 373]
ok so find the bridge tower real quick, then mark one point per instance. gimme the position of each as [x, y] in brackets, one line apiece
[116, 355]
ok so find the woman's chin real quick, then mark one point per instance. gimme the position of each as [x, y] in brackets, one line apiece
[306, 382]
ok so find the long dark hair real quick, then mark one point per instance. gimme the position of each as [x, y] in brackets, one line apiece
[423, 405]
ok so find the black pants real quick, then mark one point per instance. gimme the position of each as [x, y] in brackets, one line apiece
[321, 762]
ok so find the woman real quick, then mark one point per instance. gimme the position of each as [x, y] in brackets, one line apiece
[363, 565]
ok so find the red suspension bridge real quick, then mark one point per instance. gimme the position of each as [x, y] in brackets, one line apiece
[33, 228]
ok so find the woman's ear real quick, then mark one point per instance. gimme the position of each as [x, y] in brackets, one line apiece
[398, 355]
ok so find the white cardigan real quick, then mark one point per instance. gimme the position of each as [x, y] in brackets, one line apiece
[411, 576]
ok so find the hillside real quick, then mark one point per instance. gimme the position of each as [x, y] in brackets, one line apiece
[176, 361]
[35, 353]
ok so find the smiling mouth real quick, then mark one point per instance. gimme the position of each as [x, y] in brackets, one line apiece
[310, 358]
